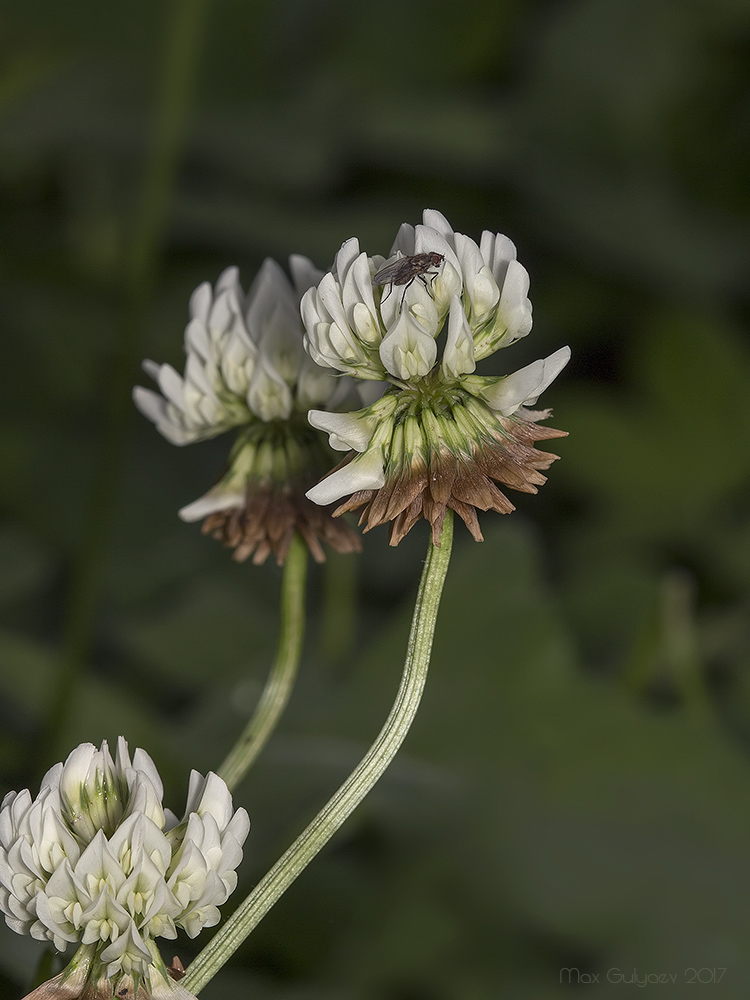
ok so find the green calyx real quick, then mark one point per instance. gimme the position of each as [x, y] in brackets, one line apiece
[278, 453]
[437, 416]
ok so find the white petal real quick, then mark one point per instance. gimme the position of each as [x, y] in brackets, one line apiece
[524, 387]
[477, 277]
[76, 770]
[215, 800]
[197, 340]
[151, 404]
[126, 952]
[280, 340]
[350, 429]
[366, 472]
[151, 368]
[228, 279]
[172, 385]
[514, 306]
[404, 242]
[220, 316]
[304, 273]
[180, 436]
[196, 374]
[458, 356]
[209, 504]
[200, 302]
[366, 325]
[311, 346]
[437, 221]
[343, 345]
[315, 385]
[269, 397]
[142, 762]
[239, 826]
[309, 310]
[329, 298]
[408, 351]
[345, 258]
[357, 291]
[498, 251]
[238, 360]
[469, 256]
[269, 290]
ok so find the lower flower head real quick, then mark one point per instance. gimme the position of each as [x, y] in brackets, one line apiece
[247, 370]
[111, 873]
[441, 436]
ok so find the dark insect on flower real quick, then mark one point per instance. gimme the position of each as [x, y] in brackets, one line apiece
[406, 270]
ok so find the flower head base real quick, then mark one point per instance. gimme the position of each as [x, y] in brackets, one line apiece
[247, 369]
[85, 977]
[96, 860]
[441, 436]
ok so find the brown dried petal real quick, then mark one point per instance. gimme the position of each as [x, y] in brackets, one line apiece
[462, 483]
[469, 516]
[267, 523]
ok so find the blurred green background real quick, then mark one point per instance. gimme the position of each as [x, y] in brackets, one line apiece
[576, 789]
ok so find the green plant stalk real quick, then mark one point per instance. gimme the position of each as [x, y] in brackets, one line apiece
[281, 678]
[356, 786]
[184, 34]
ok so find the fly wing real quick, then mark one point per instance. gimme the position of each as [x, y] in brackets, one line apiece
[389, 272]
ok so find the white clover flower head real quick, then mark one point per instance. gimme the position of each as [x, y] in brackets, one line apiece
[95, 860]
[247, 370]
[441, 436]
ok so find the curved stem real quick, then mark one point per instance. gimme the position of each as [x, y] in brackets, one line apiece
[283, 672]
[356, 786]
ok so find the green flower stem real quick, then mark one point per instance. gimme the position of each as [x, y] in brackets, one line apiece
[356, 786]
[283, 672]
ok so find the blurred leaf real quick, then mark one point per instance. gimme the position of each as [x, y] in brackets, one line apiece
[583, 794]
[212, 633]
[661, 466]
[28, 670]
[24, 565]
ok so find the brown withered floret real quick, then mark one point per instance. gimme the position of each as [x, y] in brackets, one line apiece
[464, 482]
[268, 520]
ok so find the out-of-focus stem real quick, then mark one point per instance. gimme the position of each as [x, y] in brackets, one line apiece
[283, 672]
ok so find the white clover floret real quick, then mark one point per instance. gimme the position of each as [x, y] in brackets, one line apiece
[356, 327]
[244, 358]
[95, 858]
[439, 304]
[246, 370]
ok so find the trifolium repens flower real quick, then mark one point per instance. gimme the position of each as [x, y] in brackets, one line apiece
[96, 861]
[247, 370]
[441, 436]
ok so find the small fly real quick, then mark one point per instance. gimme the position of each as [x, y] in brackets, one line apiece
[406, 270]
